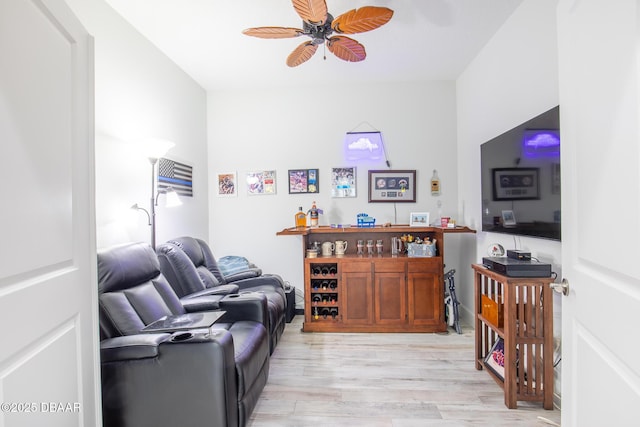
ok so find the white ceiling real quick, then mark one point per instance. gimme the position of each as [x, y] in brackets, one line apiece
[425, 40]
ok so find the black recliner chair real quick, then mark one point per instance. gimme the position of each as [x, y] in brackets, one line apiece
[192, 271]
[201, 377]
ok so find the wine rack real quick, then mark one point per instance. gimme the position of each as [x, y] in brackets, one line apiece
[324, 291]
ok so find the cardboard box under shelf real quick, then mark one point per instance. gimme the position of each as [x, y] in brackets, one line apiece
[493, 311]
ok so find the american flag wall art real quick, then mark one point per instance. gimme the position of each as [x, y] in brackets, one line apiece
[176, 175]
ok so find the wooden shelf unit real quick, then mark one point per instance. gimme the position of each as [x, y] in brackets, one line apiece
[378, 293]
[527, 304]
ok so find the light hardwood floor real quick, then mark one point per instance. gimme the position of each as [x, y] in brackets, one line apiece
[384, 380]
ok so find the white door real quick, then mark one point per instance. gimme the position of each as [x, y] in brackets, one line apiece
[600, 120]
[49, 372]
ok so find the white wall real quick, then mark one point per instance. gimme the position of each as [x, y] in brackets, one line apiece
[304, 128]
[140, 93]
[513, 79]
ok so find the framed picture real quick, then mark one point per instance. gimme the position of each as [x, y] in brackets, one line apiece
[261, 182]
[494, 361]
[508, 219]
[392, 186]
[343, 182]
[515, 183]
[227, 184]
[303, 181]
[419, 219]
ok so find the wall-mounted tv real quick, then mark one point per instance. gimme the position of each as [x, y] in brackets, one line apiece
[521, 179]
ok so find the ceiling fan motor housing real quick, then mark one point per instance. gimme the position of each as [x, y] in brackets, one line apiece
[318, 33]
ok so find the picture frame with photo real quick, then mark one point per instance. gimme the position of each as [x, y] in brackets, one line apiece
[303, 181]
[227, 184]
[419, 219]
[494, 360]
[343, 181]
[261, 182]
[392, 186]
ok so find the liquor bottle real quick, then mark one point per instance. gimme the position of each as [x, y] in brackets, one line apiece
[313, 215]
[435, 184]
[301, 218]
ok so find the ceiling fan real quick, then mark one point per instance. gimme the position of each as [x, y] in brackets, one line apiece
[320, 26]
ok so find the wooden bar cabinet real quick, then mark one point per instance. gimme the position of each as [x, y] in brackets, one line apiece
[372, 293]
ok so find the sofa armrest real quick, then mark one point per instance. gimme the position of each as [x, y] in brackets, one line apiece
[201, 303]
[216, 290]
[131, 347]
[245, 274]
[245, 306]
[270, 280]
[168, 389]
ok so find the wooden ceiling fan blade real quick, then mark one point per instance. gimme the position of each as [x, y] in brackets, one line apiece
[312, 11]
[301, 54]
[346, 49]
[273, 32]
[360, 20]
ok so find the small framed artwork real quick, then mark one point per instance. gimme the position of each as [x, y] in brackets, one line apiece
[508, 219]
[419, 219]
[303, 181]
[392, 186]
[515, 183]
[494, 361]
[343, 182]
[261, 182]
[227, 184]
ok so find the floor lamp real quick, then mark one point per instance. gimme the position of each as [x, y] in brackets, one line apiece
[155, 149]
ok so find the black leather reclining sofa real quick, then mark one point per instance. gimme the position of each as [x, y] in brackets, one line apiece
[201, 377]
[192, 270]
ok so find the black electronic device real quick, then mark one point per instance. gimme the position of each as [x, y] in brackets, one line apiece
[517, 268]
[521, 255]
[290, 294]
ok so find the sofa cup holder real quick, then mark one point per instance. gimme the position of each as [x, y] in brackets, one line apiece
[181, 336]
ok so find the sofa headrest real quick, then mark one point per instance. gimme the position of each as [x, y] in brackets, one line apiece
[191, 247]
[125, 266]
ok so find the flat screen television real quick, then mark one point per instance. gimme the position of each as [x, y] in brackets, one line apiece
[521, 179]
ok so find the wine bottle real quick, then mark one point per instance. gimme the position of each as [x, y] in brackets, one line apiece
[316, 270]
[325, 270]
[316, 298]
[333, 270]
[333, 312]
[324, 313]
[333, 284]
[325, 284]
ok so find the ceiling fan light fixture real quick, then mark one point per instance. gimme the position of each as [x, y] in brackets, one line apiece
[319, 25]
